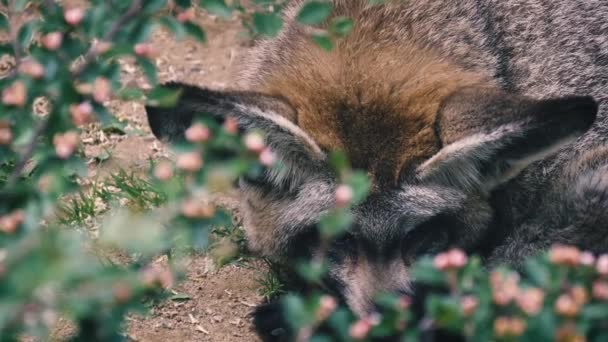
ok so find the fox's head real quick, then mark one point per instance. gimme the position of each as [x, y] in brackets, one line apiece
[478, 140]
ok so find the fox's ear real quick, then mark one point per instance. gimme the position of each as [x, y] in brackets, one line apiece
[489, 137]
[296, 150]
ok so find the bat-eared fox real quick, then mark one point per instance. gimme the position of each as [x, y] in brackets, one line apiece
[482, 124]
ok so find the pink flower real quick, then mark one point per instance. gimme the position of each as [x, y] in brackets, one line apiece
[327, 305]
[600, 290]
[267, 157]
[102, 89]
[344, 195]
[190, 161]
[31, 68]
[146, 50]
[602, 265]
[52, 41]
[66, 144]
[231, 125]
[254, 142]
[457, 258]
[163, 171]
[530, 300]
[82, 113]
[74, 16]
[15, 94]
[469, 305]
[360, 329]
[198, 133]
[565, 255]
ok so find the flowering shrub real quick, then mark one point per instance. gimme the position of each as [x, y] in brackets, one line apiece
[68, 59]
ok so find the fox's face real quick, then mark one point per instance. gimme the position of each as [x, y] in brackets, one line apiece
[478, 140]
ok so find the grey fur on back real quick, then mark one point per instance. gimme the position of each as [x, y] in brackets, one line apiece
[538, 48]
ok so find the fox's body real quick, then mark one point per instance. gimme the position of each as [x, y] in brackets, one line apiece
[472, 118]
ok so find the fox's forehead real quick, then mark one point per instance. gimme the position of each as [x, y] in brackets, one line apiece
[377, 107]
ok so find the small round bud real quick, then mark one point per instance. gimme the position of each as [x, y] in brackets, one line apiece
[360, 329]
[10, 222]
[501, 326]
[404, 302]
[530, 300]
[344, 195]
[65, 144]
[190, 161]
[74, 16]
[267, 157]
[198, 133]
[6, 135]
[517, 326]
[600, 290]
[102, 89]
[587, 259]
[602, 265]
[566, 306]
[196, 209]
[568, 333]
[254, 142]
[52, 41]
[101, 47]
[457, 258]
[231, 125]
[122, 292]
[32, 68]
[327, 305]
[441, 261]
[146, 50]
[469, 305]
[186, 16]
[565, 255]
[163, 171]
[82, 113]
[579, 295]
[15, 95]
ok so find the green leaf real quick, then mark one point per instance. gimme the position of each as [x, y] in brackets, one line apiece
[360, 184]
[26, 32]
[425, 272]
[163, 97]
[174, 26]
[268, 24]
[180, 297]
[195, 31]
[3, 22]
[314, 12]
[114, 127]
[341, 26]
[323, 41]
[295, 311]
[149, 69]
[20, 4]
[336, 223]
[183, 3]
[130, 94]
[217, 7]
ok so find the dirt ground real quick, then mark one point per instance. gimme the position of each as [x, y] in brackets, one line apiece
[220, 300]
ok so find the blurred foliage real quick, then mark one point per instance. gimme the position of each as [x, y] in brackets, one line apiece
[69, 57]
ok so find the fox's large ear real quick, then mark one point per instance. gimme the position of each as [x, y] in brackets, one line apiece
[489, 137]
[296, 150]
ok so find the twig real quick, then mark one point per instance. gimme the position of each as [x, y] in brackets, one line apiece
[88, 59]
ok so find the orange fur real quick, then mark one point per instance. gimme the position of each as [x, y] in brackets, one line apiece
[370, 97]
